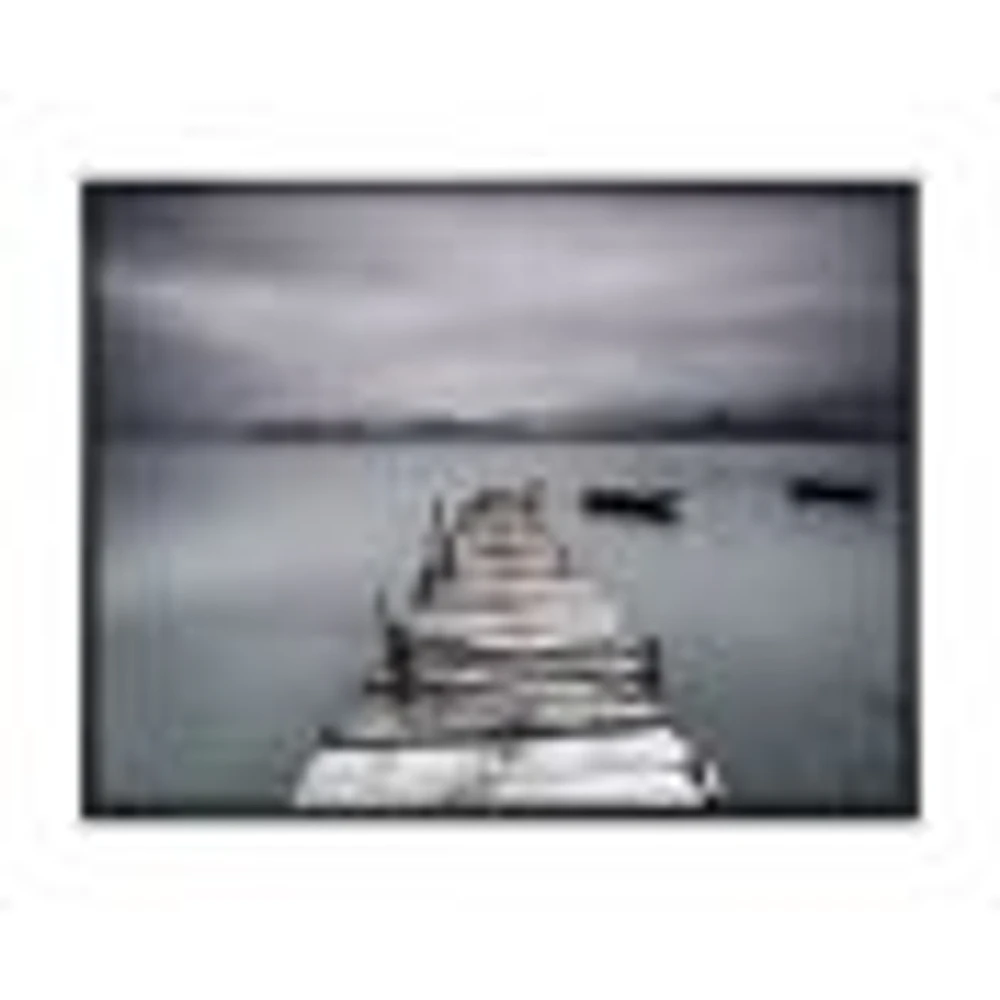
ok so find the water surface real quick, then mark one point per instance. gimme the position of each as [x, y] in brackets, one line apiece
[236, 583]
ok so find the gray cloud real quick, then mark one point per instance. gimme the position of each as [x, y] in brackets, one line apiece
[237, 303]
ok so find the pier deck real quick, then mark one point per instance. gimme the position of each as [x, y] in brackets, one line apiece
[506, 683]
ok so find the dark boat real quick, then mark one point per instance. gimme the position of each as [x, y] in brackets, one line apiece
[814, 489]
[653, 505]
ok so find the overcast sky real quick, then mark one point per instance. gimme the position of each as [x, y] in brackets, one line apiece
[237, 304]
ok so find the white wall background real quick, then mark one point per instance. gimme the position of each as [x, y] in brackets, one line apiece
[542, 910]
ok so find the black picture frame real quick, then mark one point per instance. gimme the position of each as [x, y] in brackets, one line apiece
[909, 190]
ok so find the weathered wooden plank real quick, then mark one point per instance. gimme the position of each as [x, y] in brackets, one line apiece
[645, 767]
[507, 683]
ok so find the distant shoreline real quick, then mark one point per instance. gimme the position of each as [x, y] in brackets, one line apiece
[761, 437]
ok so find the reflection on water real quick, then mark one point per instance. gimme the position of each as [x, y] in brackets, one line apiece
[236, 588]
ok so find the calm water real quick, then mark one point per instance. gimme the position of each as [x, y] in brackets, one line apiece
[236, 588]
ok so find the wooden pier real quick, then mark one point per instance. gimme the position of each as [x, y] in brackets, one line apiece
[506, 684]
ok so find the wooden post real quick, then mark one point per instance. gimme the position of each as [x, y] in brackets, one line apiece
[399, 661]
[437, 515]
[651, 655]
[424, 586]
[447, 557]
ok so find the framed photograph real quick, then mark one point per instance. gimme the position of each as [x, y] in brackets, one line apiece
[500, 499]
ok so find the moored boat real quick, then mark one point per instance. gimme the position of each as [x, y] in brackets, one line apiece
[650, 504]
[817, 489]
